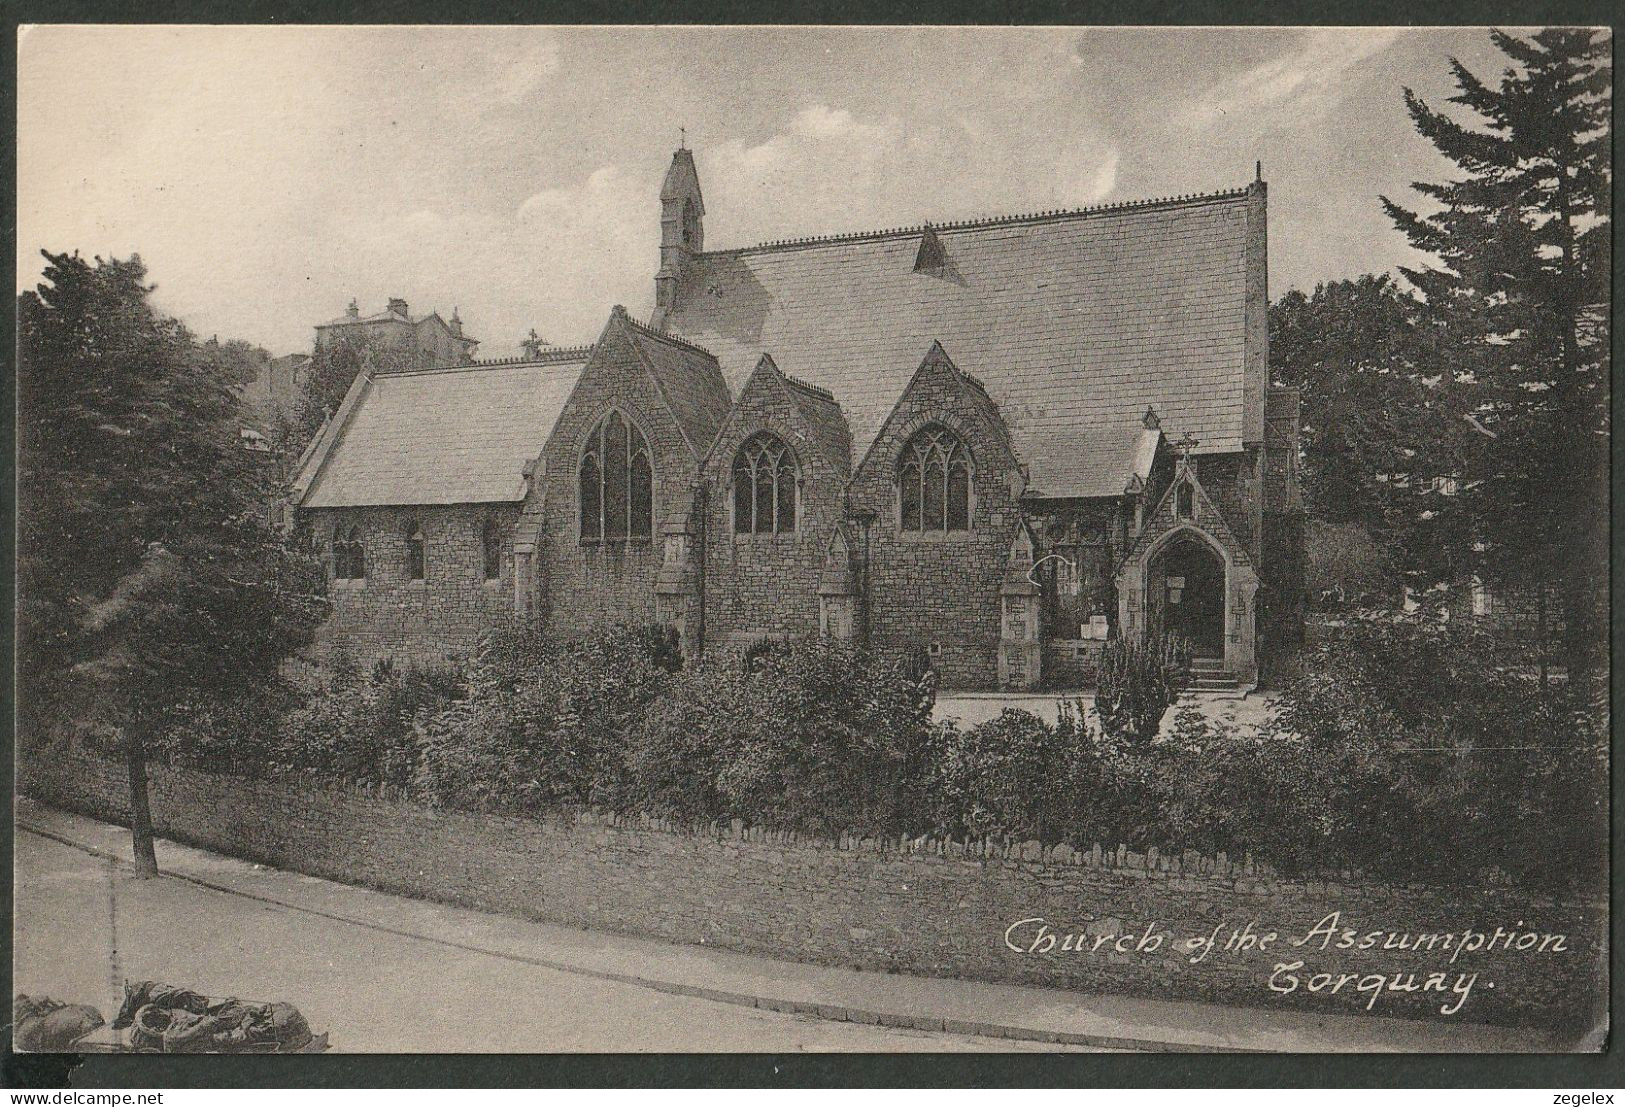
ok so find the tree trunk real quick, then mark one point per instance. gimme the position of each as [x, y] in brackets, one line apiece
[146, 858]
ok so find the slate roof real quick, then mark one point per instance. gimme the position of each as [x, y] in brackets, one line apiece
[1074, 322]
[1114, 456]
[688, 377]
[824, 418]
[440, 436]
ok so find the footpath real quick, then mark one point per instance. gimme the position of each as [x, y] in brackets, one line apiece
[724, 976]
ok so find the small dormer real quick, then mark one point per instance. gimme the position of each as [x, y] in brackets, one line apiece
[931, 257]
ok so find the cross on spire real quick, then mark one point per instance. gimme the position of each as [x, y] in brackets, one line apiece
[682, 138]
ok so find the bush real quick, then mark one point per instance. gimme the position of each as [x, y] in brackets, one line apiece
[1437, 761]
[812, 735]
[363, 729]
[1137, 680]
[1017, 777]
[1405, 750]
[239, 734]
[546, 720]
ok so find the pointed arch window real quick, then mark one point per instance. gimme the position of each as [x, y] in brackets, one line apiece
[691, 225]
[766, 480]
[491, 549]
[416, 562]
[934, 482]
[349, 556]
[616, 482]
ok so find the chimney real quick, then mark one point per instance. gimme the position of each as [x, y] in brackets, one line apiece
[456, 324]
[398, 306]
[354, 311]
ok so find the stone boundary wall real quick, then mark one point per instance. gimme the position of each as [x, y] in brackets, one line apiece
[928, 907]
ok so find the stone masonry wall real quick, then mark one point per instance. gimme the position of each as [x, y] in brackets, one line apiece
[1230, 482]
[591, 585]
[929, 907]
[941, 588]
[426, 622]
[767, 584]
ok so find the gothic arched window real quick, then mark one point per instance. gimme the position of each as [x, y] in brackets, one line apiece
[934, 482]
[691, 225]
[765, 479]
[415, 560]
[349, 557]
[617, 482]
[491, 548]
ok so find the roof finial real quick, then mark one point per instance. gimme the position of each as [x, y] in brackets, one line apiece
[1185, 445]
[1258, 170]
[682, 138]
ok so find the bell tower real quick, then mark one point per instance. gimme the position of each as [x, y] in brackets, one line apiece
[682, 228]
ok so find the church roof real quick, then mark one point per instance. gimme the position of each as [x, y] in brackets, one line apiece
[440, 436]
[824, 419]
[1073, 322]
[688, 377]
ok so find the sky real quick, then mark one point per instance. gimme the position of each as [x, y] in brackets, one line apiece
[267, 175]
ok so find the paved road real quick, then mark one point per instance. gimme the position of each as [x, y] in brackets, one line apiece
[373, 991]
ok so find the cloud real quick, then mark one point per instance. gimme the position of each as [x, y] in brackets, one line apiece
[1303, 81]
[556, 261]
[828, 169]
[521, 74]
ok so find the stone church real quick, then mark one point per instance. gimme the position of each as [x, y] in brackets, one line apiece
[989, 444]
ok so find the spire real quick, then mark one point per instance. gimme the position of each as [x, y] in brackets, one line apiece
[682, 227]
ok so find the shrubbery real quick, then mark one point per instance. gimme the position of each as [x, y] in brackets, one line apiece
[545, 721]
[1402, 751]
[1016, 776]
[1135, 684]
[1437, 758]
[806, 735]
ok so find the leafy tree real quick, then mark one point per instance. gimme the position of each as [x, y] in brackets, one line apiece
[146, 571]
[1378, 426]
[1519, 297]
[234, 361]
[333, 368]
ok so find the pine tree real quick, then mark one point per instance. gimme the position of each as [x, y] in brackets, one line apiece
[1520, 298]
[146, 569]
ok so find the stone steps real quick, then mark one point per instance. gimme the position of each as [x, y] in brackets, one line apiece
[1208, 676]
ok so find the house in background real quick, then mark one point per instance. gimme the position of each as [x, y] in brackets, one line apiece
[427, 340]
[272, 391]
[990, 443]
